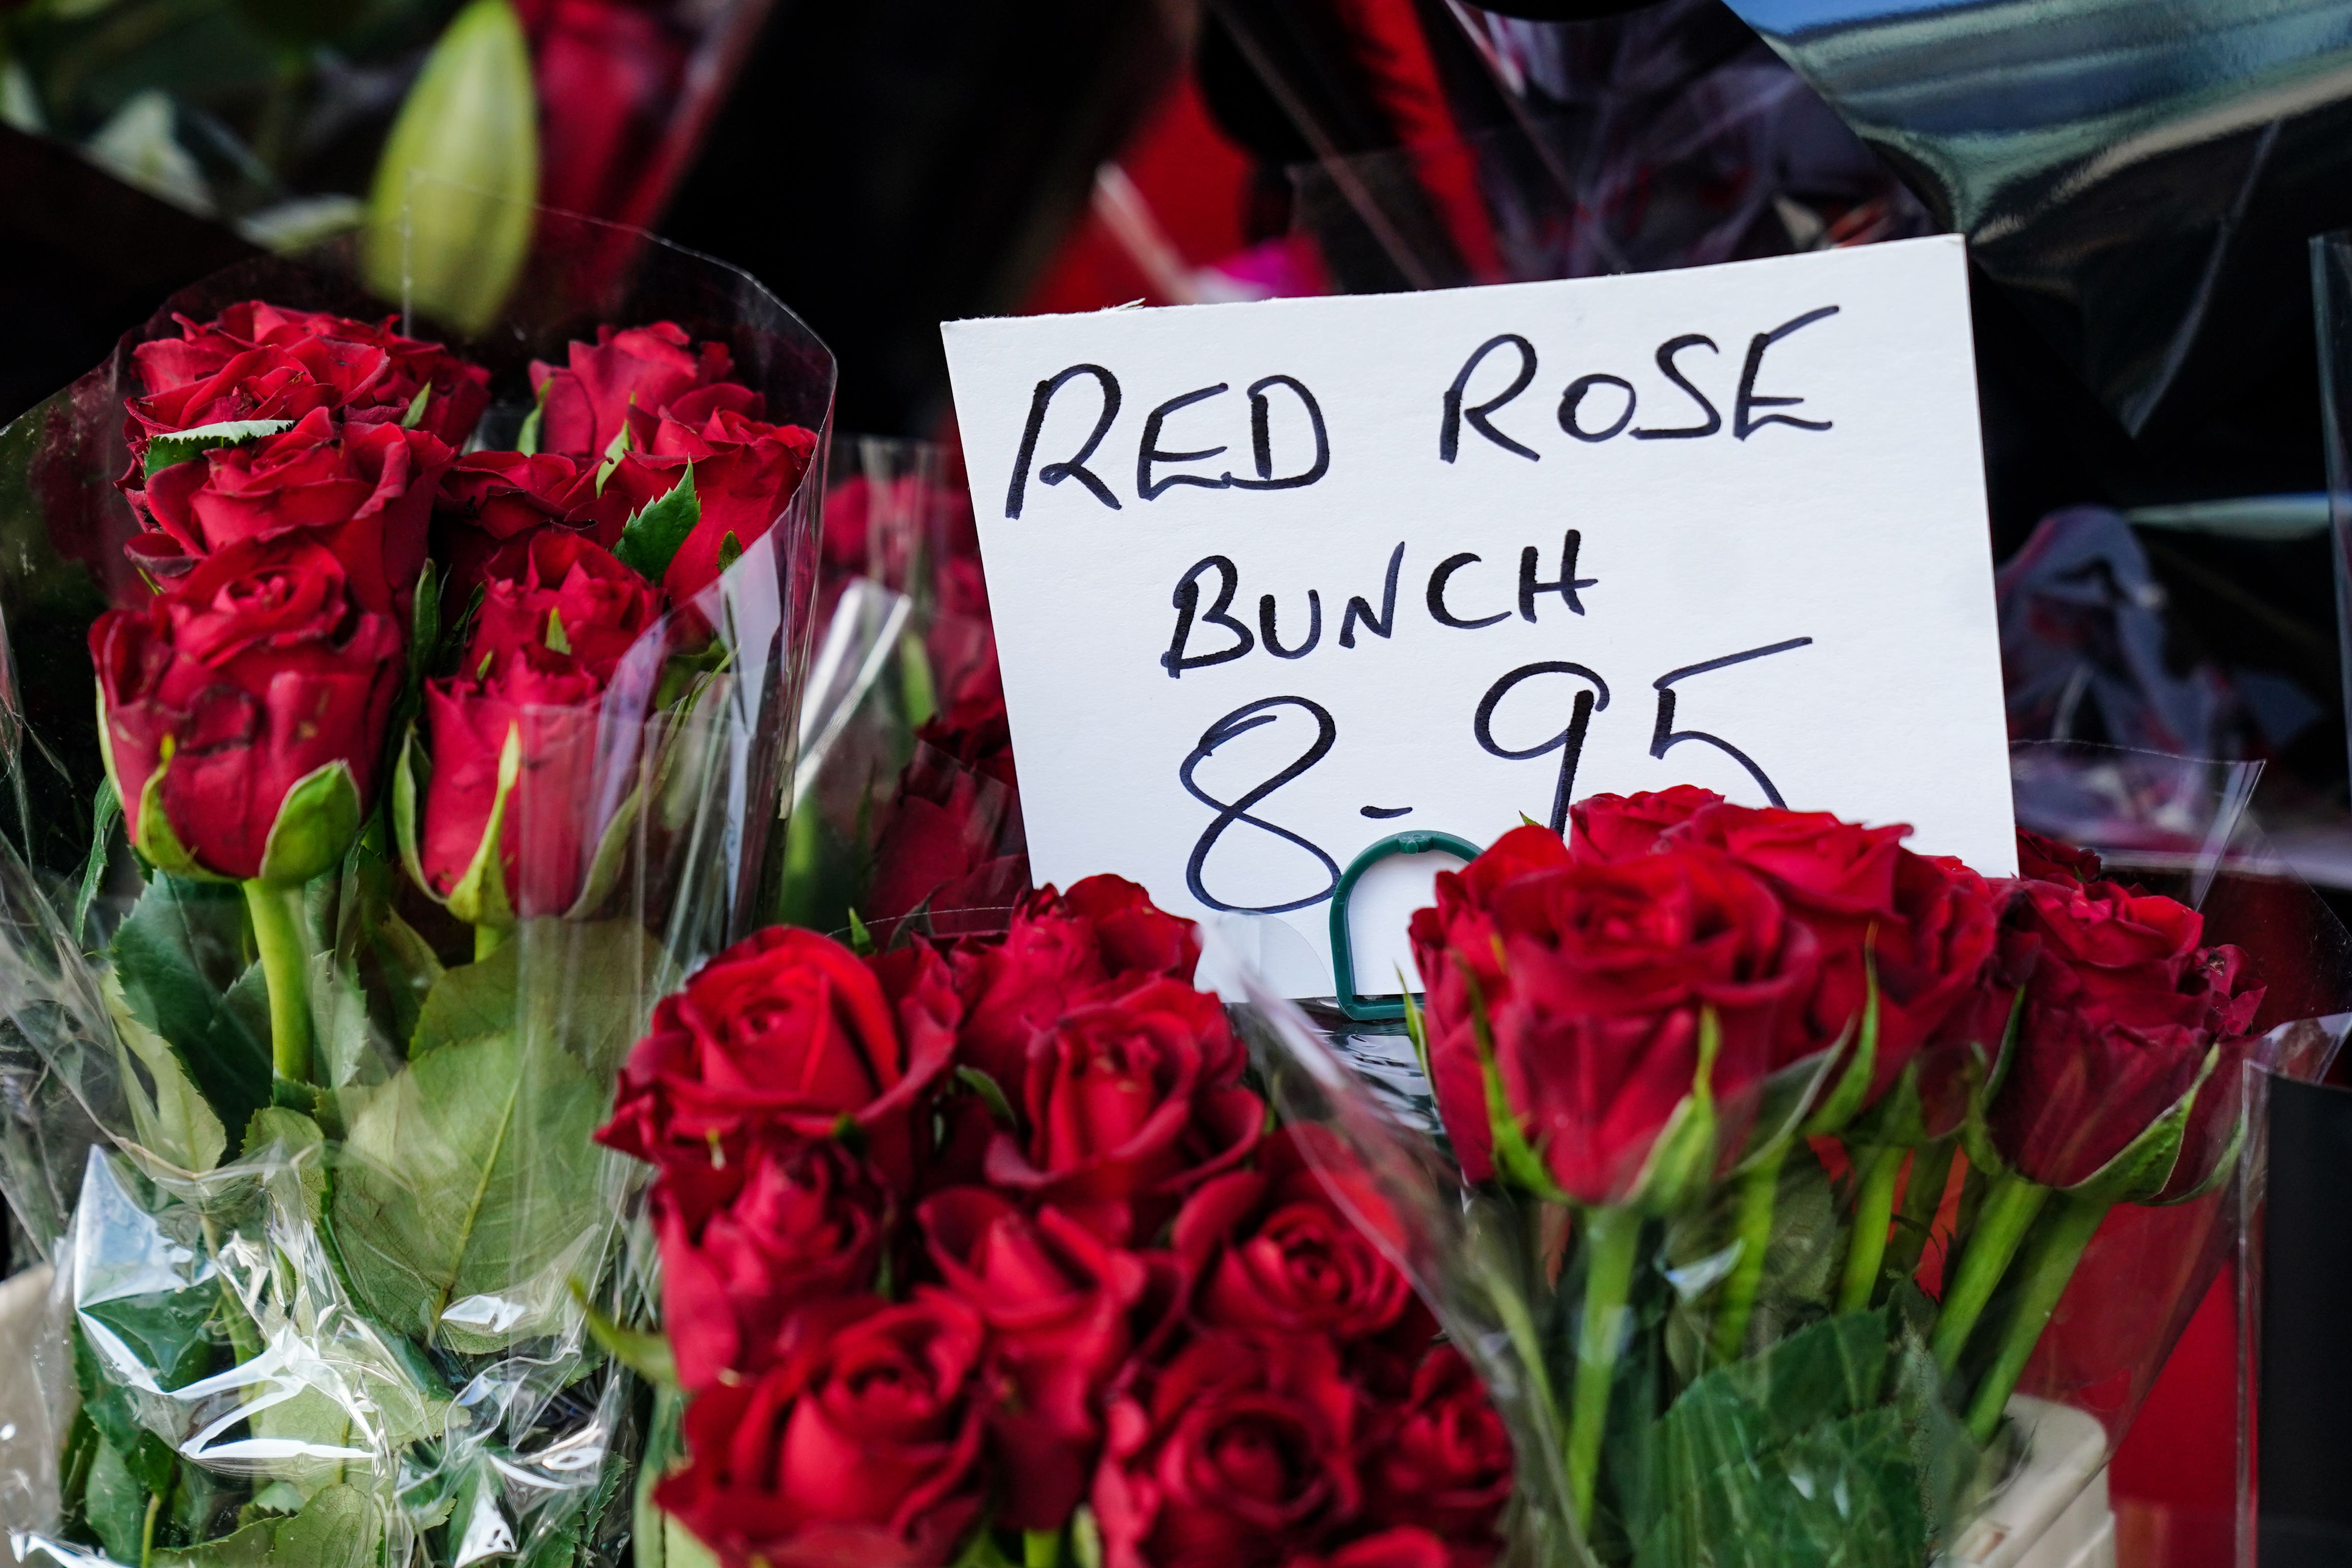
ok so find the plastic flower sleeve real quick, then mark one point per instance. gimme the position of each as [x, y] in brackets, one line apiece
[314, 1320]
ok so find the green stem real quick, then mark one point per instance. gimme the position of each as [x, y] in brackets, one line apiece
[1611, 1241]
[1873, 1209]
[147, 1531]
[1757, 1190]
[1041, 1549]
[2047, 1266]
[286, 970]
[487, 940]
[1923, 1200]
[2010, 1204]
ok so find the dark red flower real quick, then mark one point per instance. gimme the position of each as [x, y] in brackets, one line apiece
[1441, 1457]
[560, 591]
[492, 500]
[2041, 859]
[1619, 826]
[745, 472]
[586, 402]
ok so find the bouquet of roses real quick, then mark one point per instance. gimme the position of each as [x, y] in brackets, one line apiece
[1777, 1146]
[440, 727]
[985, 1252]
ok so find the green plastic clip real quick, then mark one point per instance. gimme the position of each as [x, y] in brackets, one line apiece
[1343, 949]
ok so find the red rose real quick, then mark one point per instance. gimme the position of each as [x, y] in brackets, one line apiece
[745, 471]
[742, 1242]
[373, 373]
[1943, 991]
[1130, 1101]
[514, 751]
[257, 384]
[864, 1447]
[2041, 859]
[492, 500]
[1062, 1307]
[1104, 934]
[952, 844]
[1597, 984]
[558, 590]
[1618, 826]
[2124, 1015]
[608, 73]
[364, 491]
[1401, 1548]
[1275, 1255]
[1240, 1452]
[584, 403]
[255, 675]
[1441, 1458]
[791, 1030]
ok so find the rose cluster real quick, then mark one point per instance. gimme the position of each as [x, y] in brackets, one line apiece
[993, 1237]
[298, 479]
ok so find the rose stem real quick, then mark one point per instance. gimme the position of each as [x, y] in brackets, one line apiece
[1923, 1200]
[1874, 1210]
[2010, 1204]
[2048, 1265]
[1757, 1190]
[1041, 1549]
[285, 969]
[486, 941]
[1611, 1238]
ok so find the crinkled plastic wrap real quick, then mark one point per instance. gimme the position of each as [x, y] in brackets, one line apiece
[1834, 1439]
[361, 1336]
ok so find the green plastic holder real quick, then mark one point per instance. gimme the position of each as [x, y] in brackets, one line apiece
[1343, 949]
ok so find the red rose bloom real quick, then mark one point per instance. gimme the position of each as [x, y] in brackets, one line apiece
[743, 1242]
[791, 1030]
[1104, 935]
[1943, 991]
[584, 403]
[364, 492]
[2041, 859]
[1401, 1548]
[1130, 1102]
[373, 373]
[745, 472]
[1610, 828]
[1239, 1452]
[257, 672]
[952, 844]
[1441, 1458]
[862, 1447]
[558, 590]
[543, 704]
[1275, 1255]
[492, 500]
[257, 384]
[1063, 1308]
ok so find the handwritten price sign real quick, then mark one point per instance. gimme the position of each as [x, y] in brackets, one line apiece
[1273, 581]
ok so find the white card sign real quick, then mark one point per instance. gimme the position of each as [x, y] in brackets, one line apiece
[1273, 581]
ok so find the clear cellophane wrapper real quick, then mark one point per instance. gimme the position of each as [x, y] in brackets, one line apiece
[1834, 1438]
[362, 1335]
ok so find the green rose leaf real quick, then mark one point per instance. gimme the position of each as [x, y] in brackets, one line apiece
[185, 446]
[316, 824]
[171, 1119]
[650, 540]
[179, 961]
[114, 1504]
[339, 1528]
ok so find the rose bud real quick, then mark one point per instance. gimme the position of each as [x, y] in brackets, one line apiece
[864, 1447]
[1102, 936]
[791, 1031]
[1062, 1307]
[243, 714]
[1441, 1458]
[374, 373]
[501, 830]
[1130, 1102]
[744, 1243]
[1274, 1255]
[1610, 828]
[744, 473]
[584, 403]
[489, 500]
[1236, 1452]
[365, 492]
[558, 590]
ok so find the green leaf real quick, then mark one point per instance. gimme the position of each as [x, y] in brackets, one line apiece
[527, 442]
[339, 1528]
[415, 415]
[180, 960]
[172, 1121]
[466, 1190]
[105, 816]
[423, 624]
[108, 1406]
[156, 839]
[730, 550]
[861, 940]
[611, 856]
[115, 1505]
[293, 1134]
[651, 539]
[315, 826]
[555, 639]
[645, 1351]
[609, 970]
[479, 897]
[2141, 1167]
[184, 445]
[992, 1094]
[614, 450]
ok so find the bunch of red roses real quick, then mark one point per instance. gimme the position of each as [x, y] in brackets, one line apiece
[994, 1239]
[1646, 1020]
[295, 473]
